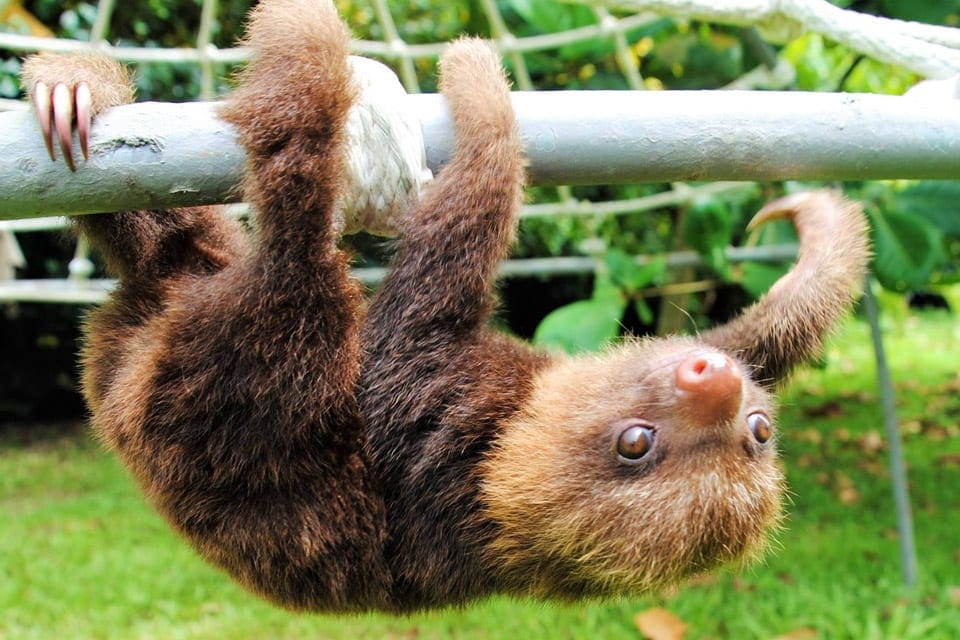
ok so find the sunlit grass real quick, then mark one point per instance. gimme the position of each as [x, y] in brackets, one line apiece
[82, 555]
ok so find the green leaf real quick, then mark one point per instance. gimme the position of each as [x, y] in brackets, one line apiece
[708, 229]
[550, 16]
[758, 277]
[777, 232]
[907, 250]
[644, 312]
[930, 11]
[818, 63]
[937, 201]
[873, 76]
[605, 289]
[585, 325]
[630, 276]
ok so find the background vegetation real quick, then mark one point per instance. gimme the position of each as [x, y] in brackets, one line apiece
[98, 562]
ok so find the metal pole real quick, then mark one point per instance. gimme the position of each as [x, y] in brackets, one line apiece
[166, 155]
[898, 473]
[74, 291]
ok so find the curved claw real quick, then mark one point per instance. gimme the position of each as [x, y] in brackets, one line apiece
[784, 207]
[63, 119]
[84, 104]
[41, 102]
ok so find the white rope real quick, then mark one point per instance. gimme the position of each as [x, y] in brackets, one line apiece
[387, 163]
[928, 50]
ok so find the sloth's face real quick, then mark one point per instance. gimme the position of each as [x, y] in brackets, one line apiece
[632, 470]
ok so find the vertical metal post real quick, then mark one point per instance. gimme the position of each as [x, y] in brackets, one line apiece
[898, 473]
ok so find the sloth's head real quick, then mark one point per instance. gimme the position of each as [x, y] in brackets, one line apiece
[632, 470]
[635, 469]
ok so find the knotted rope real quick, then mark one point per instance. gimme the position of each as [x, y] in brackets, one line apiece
[386, 164]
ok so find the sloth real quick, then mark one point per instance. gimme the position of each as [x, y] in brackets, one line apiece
[336, 454]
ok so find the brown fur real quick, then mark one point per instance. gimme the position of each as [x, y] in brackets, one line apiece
[415, 458]
[574, 521]
[110, 80]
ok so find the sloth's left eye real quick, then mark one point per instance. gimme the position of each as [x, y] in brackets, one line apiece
[634, 442]
[760, 426]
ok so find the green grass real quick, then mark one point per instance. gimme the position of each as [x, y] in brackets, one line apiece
[82, 556]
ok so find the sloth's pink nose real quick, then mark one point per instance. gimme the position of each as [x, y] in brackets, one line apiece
[709, 387]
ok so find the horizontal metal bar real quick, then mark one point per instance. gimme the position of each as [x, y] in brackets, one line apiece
[681, 194]
[75, 291]
[56, 291]
[26, 225]
[163, 155]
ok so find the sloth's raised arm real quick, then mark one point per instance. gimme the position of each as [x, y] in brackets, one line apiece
[453, 240]
[788, 325]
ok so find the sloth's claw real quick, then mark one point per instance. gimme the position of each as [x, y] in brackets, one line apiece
[84, 103]
[55, 112]
[41, 101]
[785, 207]
[63, 120]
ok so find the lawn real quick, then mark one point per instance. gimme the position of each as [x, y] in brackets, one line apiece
[82, 556]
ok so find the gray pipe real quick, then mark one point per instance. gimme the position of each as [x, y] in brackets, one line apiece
[164, 155]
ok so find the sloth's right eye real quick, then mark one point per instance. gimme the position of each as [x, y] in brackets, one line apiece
[634, 442]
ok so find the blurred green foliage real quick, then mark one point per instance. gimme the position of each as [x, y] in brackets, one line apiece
[587, 325]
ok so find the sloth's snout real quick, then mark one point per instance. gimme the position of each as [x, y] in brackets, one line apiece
[709, 388]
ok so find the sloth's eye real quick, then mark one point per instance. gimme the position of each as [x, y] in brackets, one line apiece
[760, 426]
[634, 442]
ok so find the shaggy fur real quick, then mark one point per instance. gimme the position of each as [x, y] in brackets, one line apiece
[574, 521]
[415, 458]
[110, 79]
